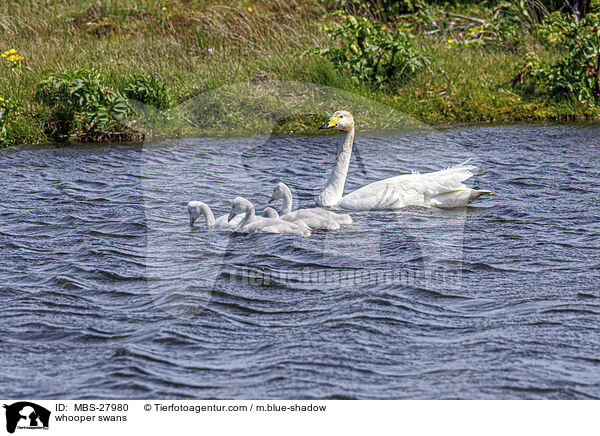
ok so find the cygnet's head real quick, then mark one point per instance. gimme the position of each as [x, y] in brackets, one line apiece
[340, 120]
[196, 209]
[269, 212]
[279, 192]
[239, 205]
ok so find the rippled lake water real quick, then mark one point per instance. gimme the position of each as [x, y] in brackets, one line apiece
[108, 293]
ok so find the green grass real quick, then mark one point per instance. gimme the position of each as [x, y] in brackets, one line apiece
[198, 46]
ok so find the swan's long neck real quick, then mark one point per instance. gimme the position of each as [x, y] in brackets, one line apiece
[249, 216]
[287, 200]
[334, 189]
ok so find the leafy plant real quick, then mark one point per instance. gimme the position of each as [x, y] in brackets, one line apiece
[149, 90]
[9, 113]
[4, 109]
[554, 27]
[372, 53]
[578, 73]
[82, 103]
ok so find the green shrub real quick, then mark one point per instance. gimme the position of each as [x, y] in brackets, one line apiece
[4, 110]
[9, 114]
[554, 27]
[147, 89]
[82, 105]
[371, 53]
[578, 73]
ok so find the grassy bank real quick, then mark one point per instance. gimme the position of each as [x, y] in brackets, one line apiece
[193, 47]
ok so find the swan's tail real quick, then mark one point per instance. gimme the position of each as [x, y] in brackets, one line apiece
[452, 177]
[463, 168]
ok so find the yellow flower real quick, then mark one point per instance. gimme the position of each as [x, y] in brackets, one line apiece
[6, 54]
[250, 9]
[15, 58]
[164, 8]
[451, 41]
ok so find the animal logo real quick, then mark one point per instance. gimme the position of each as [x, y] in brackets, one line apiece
[24, 414]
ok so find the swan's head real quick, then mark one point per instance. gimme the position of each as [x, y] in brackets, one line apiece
[269, 212]
[341, 120]
[197, 209]
[280, 191]
[239, 205]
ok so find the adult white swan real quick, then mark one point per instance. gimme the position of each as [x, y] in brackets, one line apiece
[442, 188]
[253, 224]
[316, 218]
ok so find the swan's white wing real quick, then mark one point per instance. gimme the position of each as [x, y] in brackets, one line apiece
[383, 195]
[408, 189]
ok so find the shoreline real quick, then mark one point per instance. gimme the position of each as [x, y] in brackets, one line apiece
[308, 133]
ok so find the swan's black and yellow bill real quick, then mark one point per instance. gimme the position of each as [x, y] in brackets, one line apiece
[332, 122]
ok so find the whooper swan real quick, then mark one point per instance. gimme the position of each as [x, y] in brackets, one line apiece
[441, 188]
